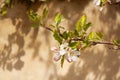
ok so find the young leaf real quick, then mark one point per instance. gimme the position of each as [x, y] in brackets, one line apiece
[116, 42]
[99, 36]
[81, 23]
[86, 43]
[102, 3]
[58, 19]
[95, 36]
[45, 13]
[65, 35]
[71, 34]
[8, 2]
[57, 36]
[34, 16]
[3, 12]
[87, 26]
[91, 36]
[74, 44]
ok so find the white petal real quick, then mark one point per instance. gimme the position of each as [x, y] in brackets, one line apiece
[74, 58]
[69, 59]
[62, 52]
[56, 57]
[54, 49]
[101, 8]
[62, 46]
[97, 2]
[77, 53]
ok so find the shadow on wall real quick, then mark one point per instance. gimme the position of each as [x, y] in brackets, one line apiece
[111, 18]
[98, 65]
[71, 11]
[17, 14]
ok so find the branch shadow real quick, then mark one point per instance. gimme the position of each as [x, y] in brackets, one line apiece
[71, 10]
[11, 58]
[110, 17]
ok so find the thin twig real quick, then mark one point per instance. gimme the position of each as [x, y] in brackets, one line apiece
[47, 28]
[97, 42]
[92, 42]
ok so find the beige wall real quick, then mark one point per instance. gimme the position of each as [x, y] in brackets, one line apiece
[25, 52]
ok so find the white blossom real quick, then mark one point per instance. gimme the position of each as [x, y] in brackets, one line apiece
[54, 49]
[56, 57]
[73, 55]
[64, 49]
[97, 2]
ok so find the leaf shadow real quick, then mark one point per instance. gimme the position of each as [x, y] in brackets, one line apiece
[9, 59]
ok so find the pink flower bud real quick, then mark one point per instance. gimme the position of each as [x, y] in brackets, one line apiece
[56, 57]
[54, 49]
[69, 59]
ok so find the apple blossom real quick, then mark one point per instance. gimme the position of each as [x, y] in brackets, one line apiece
[64, 49]
[98, 3]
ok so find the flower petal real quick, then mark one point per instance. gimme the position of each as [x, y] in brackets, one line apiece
[97, 2]
[101, 8]
[62, 46]
[56, 57]
[62, 52]
[74, 58]
[77, 53]
[54, 49]
[69, 59]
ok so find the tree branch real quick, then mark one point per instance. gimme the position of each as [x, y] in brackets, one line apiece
[99, 42]
[47, 28]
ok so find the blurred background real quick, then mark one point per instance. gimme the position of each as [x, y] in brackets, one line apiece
[25, 51]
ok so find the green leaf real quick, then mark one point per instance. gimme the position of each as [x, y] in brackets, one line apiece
[103, 2]
[8, 2]
[52, 26]
[65, 35]
[62, 60]
[116, 42]
[3, 12]
[81, 23]
[74, 44]
[86, 43]
[87, 26]
[76, 33]
[99, 36]
[45, 13]
[58, 19]
[34, 16]
[71, 34]
[57, 36]
[91, 36]
[95, 36]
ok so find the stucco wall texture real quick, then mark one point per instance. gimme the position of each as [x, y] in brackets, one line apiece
[25, 51]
